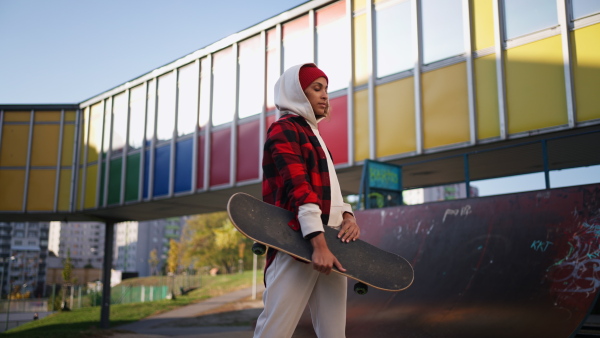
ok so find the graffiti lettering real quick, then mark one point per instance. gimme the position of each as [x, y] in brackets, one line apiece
[464, 211]
[540, 245]
[592, 228]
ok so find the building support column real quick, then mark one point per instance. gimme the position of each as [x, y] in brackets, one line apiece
[109, 231]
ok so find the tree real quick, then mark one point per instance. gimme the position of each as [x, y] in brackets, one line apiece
[153, 261]
[212, 240]
[173, 259]
[67, 275]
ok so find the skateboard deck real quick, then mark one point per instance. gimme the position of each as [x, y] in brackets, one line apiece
[267, 224]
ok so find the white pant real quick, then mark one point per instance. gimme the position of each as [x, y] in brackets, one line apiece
[290, 286]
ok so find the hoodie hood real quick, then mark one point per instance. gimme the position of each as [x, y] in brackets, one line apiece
[290, 98]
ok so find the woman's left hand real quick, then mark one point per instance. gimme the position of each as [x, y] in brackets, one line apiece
[349, 230]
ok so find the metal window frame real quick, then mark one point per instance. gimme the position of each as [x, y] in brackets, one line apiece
[467, 26]
[499, 38]
[153, 144]
[111, 106]
[125, 151]
[233, 146]
[100, 160]
[371, 69]
[196, 134]
[208, 127]
[173, 141]
[350, 87]
[143, 148]
[565, 12]
[84, 148]
[58, 160]
[418, 59]
[28, 161]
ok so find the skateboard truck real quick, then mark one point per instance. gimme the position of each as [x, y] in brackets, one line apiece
[259, 249]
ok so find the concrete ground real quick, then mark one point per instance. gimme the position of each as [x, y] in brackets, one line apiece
[228, 316]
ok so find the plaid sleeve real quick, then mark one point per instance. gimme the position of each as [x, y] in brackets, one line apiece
[284, 167]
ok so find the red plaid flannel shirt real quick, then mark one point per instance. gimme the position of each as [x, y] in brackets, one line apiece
[295, 170]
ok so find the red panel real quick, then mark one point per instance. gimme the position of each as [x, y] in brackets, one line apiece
[247, 150]
[219, 157]
[335, 130]
[200, 174]
[270, 119]
[331, 13]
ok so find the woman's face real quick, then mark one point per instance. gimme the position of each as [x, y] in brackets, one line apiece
[317, 95]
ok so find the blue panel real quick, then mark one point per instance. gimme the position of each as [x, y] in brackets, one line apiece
[161, 170]
[146, 173]
[183, 165]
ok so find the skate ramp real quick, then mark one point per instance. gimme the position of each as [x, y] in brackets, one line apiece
[519, 265]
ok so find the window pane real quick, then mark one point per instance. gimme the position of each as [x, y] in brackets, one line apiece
[251, 86]
[204, 92]
[119, 123]
[575, 176]
[525, 17]
[509, 185]
[151, 110]
[296, 42]
[165, 121]
[137, 105]
[272, 67]
[442, 29]
[333, 44]
[393, 24]
[187, 110]
[583, 8]
[223, 87]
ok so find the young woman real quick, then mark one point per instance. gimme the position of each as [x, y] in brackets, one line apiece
[299, 176]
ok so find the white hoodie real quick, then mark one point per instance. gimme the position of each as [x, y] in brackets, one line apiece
[290, 99]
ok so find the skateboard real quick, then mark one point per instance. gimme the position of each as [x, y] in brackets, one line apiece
[267, 225]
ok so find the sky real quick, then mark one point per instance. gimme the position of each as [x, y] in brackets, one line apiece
[67, 51]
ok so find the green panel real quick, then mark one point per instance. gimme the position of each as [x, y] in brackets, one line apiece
[102, 180]
[132, 177]
[114, 181]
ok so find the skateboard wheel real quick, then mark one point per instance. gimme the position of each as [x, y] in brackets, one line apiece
[259, 249]
[361, 288]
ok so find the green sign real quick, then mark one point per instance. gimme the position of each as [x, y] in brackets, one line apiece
[384, 176]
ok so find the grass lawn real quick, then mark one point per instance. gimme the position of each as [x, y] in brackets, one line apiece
[85, 322]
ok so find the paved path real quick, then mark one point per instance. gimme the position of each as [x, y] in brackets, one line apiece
[180, 322]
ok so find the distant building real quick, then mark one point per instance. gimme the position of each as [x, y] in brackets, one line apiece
[23, 253]
[135, 240]
[83, 240]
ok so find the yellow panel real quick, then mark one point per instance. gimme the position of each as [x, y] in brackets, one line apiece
[535, 86]
[483, 23]
[358, 5]
[15, 139]
[361, 125]
[486, 97]
[41, 190]
[17, 116]
[587, 72]
[361, 74]
[84, 134]
[70, 116]
[79, 189]
[90, 187]
[47, 116]
[445, 106]
[67, 146]
[44, 151]
[64, 190]
[11, 194]
[395, 117]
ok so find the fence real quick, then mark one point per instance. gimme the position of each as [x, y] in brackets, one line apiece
[89, 296]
